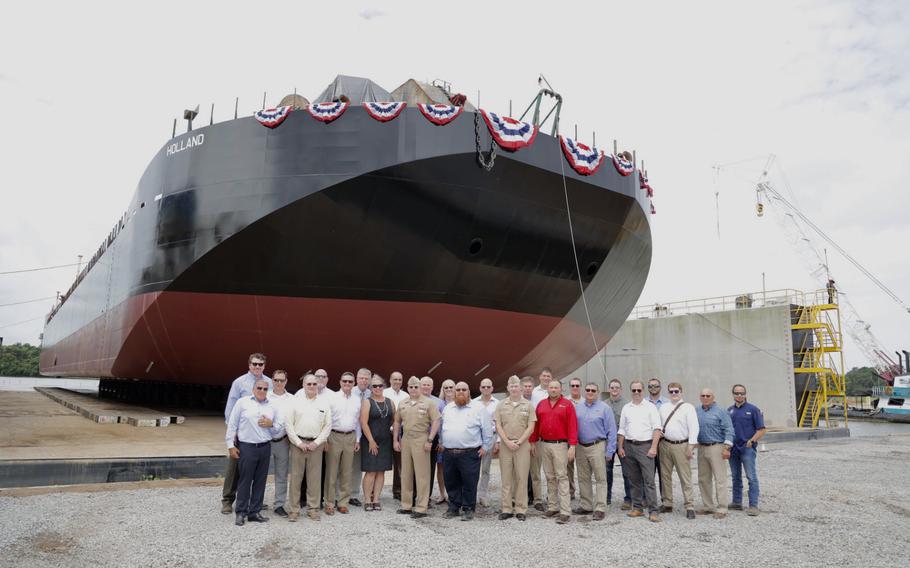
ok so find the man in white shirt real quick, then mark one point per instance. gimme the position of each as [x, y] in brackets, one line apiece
[538, 394]
[282, 399]
[344, 442]
[487, 401]
[680, 437]
[308, 427]
[639, 433]
[324, 390]
[397, 395]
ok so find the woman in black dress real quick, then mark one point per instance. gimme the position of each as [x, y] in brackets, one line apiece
[376, 416]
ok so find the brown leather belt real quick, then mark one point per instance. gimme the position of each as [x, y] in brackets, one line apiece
[673, 441]
[589, 444]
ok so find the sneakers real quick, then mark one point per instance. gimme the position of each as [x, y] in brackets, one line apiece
[626, 506]
[562, 519]
[752, 511]
[599, 515]
[226, 508]
[736, 507]
[654, 518]
[635, 513]
[281, 512]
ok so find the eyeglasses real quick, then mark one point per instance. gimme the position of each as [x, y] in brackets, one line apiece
[739, 394]
[279, 380]
[652, 387]
[612, 387]
[257, 364]
[705, 395]
[376, 386]
[460, 390]
[447, 388]
[590, 390]
[347, 381]
[262, 388]
[674, 391]
[322, 376]
[575, 386]
[486, 386]
[635, 390]
[413, 386]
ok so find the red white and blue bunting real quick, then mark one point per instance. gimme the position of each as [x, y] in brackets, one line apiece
[384, 112]
[623, 166]
[653, 210]
[273, 117]
[327, 112]
[644, 185]
[440, 115]
[509, 133]
[583, 159]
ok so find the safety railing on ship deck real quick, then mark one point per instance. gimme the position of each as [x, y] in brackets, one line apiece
[763, 299]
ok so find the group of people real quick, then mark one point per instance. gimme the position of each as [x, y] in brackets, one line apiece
[327, 446]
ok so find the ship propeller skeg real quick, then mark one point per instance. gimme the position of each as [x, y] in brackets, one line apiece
[510, 134]
[274, 116]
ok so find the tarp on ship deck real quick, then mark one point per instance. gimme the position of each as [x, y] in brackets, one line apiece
[357, 89]
[414, 92]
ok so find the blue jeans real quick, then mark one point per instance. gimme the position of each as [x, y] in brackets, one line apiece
[461, 471]
[744, 458]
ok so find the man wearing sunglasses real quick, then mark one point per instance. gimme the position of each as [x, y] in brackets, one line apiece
[748, 429]
[283, 400]
[639, 432]
[715, 438]
[556, 430]
[487, 401]
[415, 427]
[253, 423]
[343, 443]
[576, 398]
[240, 388]
[596, 446]
[677, 447]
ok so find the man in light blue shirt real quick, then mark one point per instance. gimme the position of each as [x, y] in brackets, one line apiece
[253, 423]
[240, 388]
[467, 435]
[715, 438]
[596, 446]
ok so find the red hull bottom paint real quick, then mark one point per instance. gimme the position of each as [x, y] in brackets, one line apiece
[197, 338]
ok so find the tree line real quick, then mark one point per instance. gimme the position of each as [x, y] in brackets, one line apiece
[19, 360]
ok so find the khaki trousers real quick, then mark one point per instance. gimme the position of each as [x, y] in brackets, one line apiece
[309, 464]
[592, 460]
[513, 468]
[536, 489]
[712, 467]
[415, 462]
[570, 471]
[340, 457]
[674, 456]
[554, 458]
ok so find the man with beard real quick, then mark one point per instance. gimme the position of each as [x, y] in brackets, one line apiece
[467, 434]
[557, 431]
[240, 388]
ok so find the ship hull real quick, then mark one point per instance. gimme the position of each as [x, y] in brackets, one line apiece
[361, 244]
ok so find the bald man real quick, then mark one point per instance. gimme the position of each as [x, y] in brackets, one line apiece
[715, 438]
[489, 403]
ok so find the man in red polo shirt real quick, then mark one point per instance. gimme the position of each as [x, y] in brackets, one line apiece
[557, 430]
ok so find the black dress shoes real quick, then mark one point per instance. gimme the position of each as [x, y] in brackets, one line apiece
[257, 518]
[416, 515]
[354, 502]
[240, 520]
[281, 512]
[504, 516]
[521, 517]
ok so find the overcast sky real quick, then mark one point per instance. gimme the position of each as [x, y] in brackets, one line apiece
[89, 92]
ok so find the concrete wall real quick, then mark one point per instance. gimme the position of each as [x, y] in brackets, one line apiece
[708, 350]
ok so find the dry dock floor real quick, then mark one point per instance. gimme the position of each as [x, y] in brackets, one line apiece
[833, 502]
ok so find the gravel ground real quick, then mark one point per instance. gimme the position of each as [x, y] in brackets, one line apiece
[832, 502]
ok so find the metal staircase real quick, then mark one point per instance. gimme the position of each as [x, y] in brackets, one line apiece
[820, 356]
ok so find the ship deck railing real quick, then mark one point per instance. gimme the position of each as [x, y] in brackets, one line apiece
[752, 300]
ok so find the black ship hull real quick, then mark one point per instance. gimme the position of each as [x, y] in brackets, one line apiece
[355, 243]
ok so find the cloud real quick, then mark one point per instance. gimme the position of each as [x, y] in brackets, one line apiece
[371, 13]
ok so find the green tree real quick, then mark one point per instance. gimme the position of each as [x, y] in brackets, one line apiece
[19, 360]
[860, 381]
